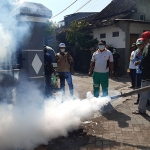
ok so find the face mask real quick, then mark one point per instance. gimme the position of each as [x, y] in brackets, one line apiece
[101, 47]
[62, 50]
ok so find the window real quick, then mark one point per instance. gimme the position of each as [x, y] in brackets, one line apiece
[103, 35]
[115, 34]
[142, 17]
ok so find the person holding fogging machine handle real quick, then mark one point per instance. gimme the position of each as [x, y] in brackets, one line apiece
[64, 61]
[144, 66]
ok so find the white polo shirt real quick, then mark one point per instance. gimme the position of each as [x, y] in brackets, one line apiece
[101, 61]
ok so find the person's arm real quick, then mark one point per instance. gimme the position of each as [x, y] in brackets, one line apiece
[58, 60]
[70, 58]
[92, 64]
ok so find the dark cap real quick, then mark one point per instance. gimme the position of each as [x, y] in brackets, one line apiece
[102, 42]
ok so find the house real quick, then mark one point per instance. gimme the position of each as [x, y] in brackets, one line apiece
[70, 18]
[120, 24]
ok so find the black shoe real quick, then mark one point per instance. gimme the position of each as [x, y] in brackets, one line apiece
[136, 103]
[148, 103]
[132, 87]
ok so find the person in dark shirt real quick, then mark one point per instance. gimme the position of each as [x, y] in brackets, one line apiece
[48, 70]
[144, 66]
[116, 57]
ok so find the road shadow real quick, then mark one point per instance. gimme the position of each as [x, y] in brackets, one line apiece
[111, 113]
[87, 142]
[122, 80]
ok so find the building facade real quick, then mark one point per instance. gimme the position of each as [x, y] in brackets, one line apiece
[120, 24]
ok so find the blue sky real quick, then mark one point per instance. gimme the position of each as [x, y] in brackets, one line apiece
[58, 5]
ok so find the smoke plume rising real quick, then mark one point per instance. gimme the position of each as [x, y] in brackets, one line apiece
[33, 121]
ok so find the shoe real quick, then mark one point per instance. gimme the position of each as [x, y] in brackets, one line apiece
[131, 87]
[137, 112]
[136, 103]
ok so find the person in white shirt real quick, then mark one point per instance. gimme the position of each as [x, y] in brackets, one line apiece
[132, 67]
[101, 62]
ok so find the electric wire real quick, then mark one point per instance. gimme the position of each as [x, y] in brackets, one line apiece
[64, 9]
[83, 6]
[91, 5]
[95, 5]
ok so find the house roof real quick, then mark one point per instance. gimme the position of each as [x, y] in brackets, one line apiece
[37, 9]
[117, 9]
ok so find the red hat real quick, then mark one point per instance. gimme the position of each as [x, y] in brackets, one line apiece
[146, 34]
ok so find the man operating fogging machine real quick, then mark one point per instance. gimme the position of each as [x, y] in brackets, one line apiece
[101, 61]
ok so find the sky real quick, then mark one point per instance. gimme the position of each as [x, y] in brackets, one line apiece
[57, 6]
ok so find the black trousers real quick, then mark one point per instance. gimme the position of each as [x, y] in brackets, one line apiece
[133, 77]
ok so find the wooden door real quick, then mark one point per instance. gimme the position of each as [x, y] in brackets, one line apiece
[133, 38]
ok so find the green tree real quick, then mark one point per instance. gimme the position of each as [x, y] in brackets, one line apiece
[80, 35]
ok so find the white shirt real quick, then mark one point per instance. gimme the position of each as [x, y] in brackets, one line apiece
[101, 60]
[131, 64]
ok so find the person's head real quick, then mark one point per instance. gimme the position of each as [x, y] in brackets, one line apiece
[62, 47]
[133, 46]
[45, 49]
[114, 51]
[102, 45]
[140, 43]
[146, 37]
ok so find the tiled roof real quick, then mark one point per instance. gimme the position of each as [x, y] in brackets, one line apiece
[117, 9]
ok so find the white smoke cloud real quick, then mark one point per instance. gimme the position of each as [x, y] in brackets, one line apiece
[9, 29]
[31, 123]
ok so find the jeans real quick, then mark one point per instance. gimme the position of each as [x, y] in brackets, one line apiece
[133, 76]
[68, 77]
[48, 87]
[143, 97]
[100, 79]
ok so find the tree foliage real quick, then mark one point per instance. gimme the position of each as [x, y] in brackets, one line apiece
[50, 28]
[80, 35]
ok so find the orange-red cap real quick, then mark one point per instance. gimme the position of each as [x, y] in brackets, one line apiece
[146, 35]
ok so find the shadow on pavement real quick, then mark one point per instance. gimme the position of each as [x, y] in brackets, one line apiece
[111, 113]
[78, 142]
[122, 80]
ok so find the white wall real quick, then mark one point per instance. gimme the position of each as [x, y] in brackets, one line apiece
[136, 28]
[117, 42]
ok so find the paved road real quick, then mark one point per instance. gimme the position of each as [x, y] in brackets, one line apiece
[83, 83]
[117, 129]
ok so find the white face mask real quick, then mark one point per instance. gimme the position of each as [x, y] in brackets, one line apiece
[62, 50]
[101, 47]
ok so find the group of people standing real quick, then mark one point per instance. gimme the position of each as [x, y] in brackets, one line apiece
[140, 70]
[104, 64]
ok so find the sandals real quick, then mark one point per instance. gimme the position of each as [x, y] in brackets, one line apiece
[137, 112]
